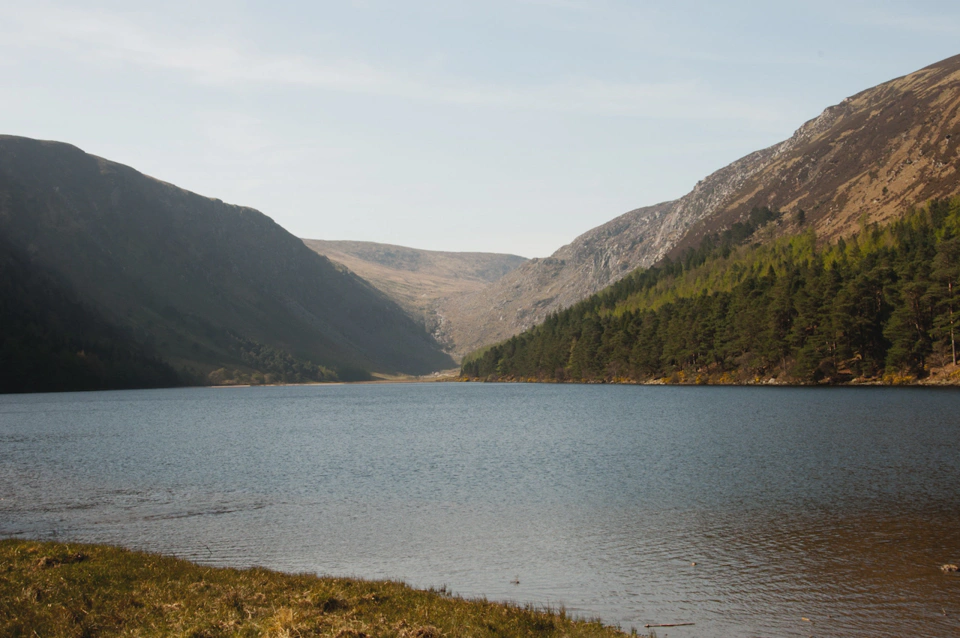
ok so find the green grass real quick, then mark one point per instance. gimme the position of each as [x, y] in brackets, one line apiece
[54, 589]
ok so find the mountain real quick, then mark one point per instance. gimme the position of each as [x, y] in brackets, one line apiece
[881, 306]
[526, 295]
[198, 283]
[418, 279]
[52, 341]
[865, 160]
[868, 159]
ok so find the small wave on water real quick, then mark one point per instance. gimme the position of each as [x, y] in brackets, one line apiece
[805, 512]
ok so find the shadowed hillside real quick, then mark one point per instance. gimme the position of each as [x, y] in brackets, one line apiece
[203, 284]
[52, 341]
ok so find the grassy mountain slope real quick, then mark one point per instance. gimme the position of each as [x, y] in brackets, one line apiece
[870, 157]
[418, 279]
[202, 283]
[882, 305]
[866, 159]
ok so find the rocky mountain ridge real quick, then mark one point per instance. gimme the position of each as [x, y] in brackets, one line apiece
[866, 159]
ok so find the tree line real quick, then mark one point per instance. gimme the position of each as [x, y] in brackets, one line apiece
[264, 364]
[880, 304]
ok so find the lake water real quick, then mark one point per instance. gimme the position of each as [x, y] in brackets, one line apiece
[833, 505]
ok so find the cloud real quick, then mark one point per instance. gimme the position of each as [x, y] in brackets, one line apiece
[104, 38]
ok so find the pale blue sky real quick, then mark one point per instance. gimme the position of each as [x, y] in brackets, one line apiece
[502, 125]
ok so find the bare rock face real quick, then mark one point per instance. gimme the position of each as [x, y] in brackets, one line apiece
[593, 261]
[866, 159]
[526, 295]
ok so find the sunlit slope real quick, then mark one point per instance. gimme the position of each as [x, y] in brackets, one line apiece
[881, 305]
[526, 295]
[869, 157]
[202, 283]
[418, 279]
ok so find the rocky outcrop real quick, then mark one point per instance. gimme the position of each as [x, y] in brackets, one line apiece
[866, 159]
[525, 296]
[599, 257]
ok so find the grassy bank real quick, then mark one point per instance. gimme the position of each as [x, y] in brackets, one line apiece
[54, 589]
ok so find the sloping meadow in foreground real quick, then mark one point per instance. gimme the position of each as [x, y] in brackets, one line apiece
[53, 589]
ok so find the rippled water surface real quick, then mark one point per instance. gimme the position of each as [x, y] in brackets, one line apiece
[806, 511]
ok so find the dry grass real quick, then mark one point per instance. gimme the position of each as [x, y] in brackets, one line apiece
[53, 589]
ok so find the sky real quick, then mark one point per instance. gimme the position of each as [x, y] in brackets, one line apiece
[497, 125]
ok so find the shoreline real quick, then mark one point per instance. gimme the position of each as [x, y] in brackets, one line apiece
[67, 589]
[688, 384]
[943, 377]
[952, 385]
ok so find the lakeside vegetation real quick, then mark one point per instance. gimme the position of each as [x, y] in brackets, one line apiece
[54, 589]
[881, 306]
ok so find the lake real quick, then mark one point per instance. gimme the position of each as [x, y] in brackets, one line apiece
[748, 511]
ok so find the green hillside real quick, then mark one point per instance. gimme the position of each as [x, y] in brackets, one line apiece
[210, 288]
[879, 306]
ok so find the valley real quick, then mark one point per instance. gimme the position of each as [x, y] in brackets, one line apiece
[227, 296]
[419, 280]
